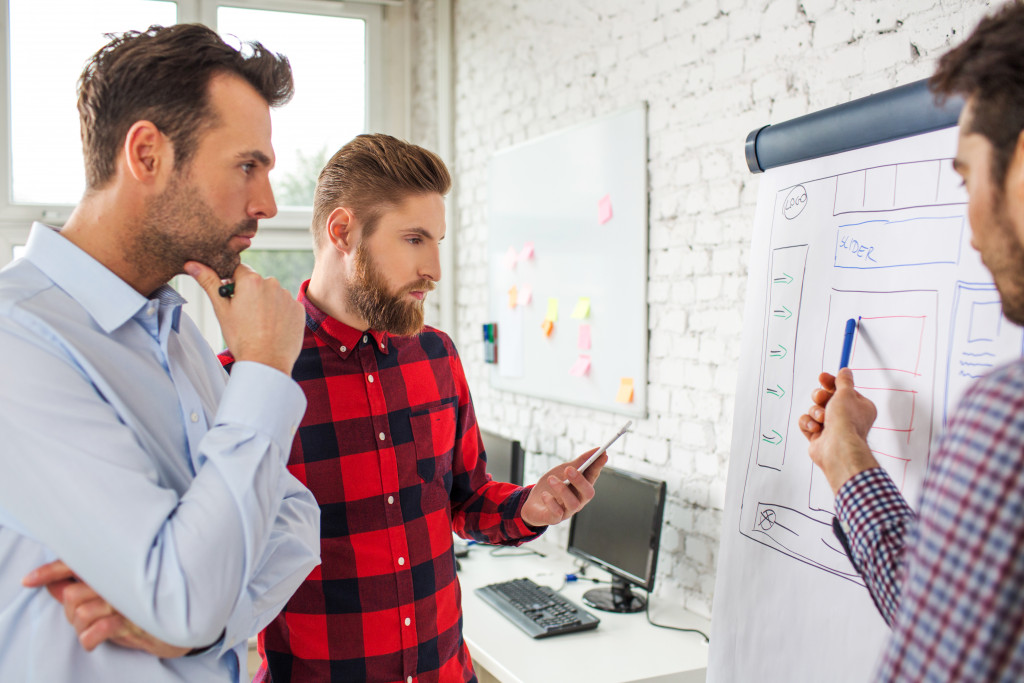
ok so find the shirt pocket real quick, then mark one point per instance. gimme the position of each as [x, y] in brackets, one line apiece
[433, 430]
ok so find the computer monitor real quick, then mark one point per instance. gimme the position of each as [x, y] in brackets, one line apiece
[505, 458]
[620, 531]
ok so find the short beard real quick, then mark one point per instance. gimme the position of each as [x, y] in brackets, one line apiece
[179, 226]
[368, 295]
[1009, 264]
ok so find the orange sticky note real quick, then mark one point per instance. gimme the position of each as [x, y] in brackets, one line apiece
[625, 394]
[547, 326]
[512, 298]
[604, 209]
[581, 366]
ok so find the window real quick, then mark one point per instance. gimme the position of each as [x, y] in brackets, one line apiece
[329, 107]
[337, 56]
[334, 49]
[46, 156]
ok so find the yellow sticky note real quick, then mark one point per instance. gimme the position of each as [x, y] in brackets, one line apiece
[582, 309]
[512, 297]
[552, 313]
[625, 394]
[547, 326]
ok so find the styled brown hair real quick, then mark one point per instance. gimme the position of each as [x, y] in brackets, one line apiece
[162, 75]
[372, 173]
[988, 68]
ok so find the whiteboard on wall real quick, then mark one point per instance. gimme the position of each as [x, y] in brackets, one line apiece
[567, 242]
[879, 235]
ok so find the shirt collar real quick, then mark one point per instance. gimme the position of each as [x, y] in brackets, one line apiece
[336, 334]
[107, 298]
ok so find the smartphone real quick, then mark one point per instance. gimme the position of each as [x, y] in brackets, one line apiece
[597, 454]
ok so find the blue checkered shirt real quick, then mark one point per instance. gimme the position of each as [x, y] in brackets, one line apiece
[950, 581]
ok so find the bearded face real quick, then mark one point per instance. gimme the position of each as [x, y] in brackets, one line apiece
[369, 295]
[1003, 255]
[180, 226]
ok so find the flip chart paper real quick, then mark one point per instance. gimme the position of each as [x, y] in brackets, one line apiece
[881, 235]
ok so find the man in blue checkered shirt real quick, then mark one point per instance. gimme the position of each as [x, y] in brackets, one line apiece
[950, 580]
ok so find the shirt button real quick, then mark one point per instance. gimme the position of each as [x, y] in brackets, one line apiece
[382, 346]
[194, 417]
[391, 500]
[364, 338]
[370, 377]
[401, 561]
[344, 349]
[151, 309]
[381, 436]
[408, 621]
[408, 680]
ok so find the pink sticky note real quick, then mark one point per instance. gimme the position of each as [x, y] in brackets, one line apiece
[584, 338]
[509, 260]
[525, 295]
[527, 252]
[581, 366]
[604, 209]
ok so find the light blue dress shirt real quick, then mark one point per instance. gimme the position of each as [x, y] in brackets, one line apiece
[127, 453]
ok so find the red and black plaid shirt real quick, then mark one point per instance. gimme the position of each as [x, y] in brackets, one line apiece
[390, 448]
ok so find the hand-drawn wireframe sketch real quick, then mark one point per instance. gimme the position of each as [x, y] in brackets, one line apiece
[889, 247]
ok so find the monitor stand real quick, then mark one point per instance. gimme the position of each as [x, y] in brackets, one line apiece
[617, 598]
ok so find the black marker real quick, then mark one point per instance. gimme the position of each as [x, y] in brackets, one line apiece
[227, 290]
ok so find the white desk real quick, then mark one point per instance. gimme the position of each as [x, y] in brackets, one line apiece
[624, 648]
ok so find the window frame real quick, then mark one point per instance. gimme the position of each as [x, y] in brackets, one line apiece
[16, 219]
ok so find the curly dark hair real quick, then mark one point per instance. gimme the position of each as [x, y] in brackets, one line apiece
[162, 75]
[988, 69]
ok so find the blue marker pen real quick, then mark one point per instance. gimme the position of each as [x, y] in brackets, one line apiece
[851, 327]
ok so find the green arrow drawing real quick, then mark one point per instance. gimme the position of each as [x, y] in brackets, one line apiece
[779, 352]
[785, 313]
[778, 393]
[784, 280]
[773, 440]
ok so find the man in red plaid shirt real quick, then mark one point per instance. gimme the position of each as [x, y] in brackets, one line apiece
[389, 444]
[948, 580]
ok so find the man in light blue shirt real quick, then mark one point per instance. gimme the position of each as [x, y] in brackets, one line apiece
[125, 452]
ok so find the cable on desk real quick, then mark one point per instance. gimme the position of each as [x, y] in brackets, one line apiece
[573, 578]
[647, 611]
[513, 551]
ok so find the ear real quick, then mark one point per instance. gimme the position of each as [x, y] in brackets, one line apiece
[148, 154]
[342, 230]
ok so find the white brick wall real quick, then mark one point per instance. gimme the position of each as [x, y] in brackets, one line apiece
[711, 71]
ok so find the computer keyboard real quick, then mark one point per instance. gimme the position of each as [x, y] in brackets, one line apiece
[538, 610]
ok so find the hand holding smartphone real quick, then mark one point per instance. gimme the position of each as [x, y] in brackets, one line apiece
[597, 454]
